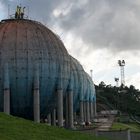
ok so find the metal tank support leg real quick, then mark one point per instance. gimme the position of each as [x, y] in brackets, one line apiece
[75, 118]
[94, 109]
[81, 112]
[67, 112]
[87, 112]
[70, 108]
[36, 98]
[60, 107]
[91, 111]
[6, 90]
[49, 119]
[54, 117]
[36, 106]
[7, 101]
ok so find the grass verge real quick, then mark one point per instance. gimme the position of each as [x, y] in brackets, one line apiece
[14, 128]
[122, 126]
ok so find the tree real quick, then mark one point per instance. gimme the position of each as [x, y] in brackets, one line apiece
[126, 99]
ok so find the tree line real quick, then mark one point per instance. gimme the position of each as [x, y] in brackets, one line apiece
[125, 99]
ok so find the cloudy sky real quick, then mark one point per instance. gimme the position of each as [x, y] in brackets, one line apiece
[96, 32]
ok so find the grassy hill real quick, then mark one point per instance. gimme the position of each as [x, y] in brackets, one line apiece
[13, 128]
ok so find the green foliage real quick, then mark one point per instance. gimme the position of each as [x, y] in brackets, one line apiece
[126, 99]
[13, 128]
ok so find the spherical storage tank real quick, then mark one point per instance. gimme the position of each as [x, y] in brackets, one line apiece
[28, 48]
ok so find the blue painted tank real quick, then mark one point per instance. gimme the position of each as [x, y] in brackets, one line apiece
[25, 44]
[83, 86]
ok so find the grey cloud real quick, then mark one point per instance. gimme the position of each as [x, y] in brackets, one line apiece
[105, 23]
[112, 24]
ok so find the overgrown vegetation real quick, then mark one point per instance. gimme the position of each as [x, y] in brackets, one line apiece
[126, 99]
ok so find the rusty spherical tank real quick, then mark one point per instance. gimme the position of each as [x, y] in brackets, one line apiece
[25, 46]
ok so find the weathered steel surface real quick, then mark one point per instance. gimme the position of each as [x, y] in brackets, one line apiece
[25, 44]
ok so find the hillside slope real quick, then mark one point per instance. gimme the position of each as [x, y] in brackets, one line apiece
[13, 128]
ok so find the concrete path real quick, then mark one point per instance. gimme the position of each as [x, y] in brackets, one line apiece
[104, 124]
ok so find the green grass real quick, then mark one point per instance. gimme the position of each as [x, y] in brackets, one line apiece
[13, 128]
[123, 126]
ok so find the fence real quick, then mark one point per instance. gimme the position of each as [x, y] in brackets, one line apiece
[115, 135]
[135, 136]
[119, 135]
